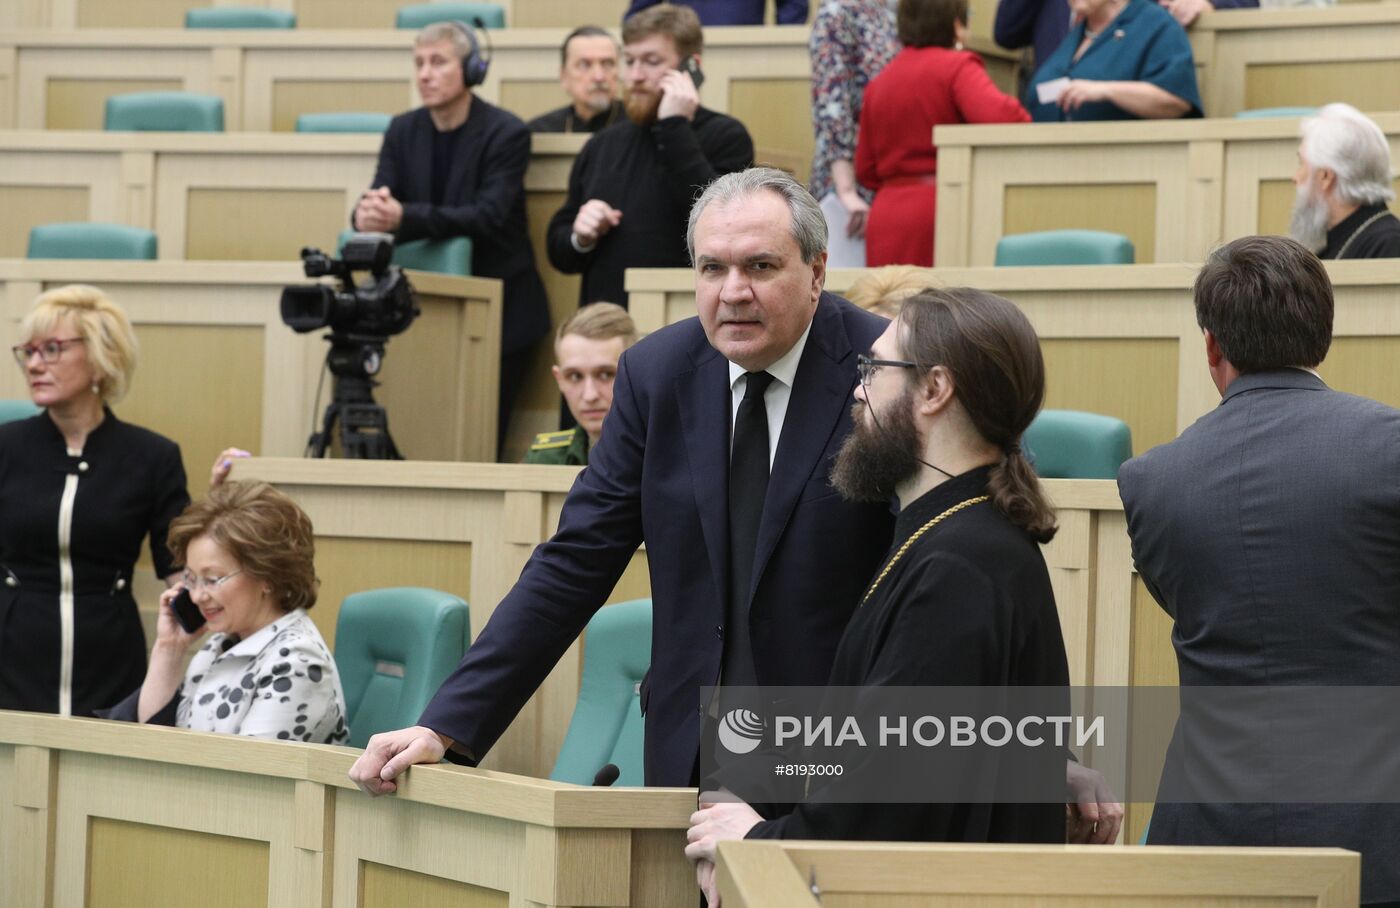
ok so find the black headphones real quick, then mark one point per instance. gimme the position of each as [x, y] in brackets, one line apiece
[474, 65]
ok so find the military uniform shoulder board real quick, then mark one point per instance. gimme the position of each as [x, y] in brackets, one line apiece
[547, 440]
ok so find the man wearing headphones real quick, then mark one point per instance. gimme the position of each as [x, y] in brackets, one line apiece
[456, 167]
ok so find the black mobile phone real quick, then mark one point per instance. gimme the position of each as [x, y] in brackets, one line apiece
[186, 612]
[691, 67]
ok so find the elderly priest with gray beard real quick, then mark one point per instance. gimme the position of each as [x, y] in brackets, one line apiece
[1344, 182]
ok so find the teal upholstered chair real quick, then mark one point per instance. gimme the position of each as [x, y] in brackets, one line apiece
[11, 410]
[1064, 247]
[164, 111]
[91, 241]
[450, 256]
[343, 122]
[1070, 444]
[492, 15]
[393, 648]
[1263, 113]
[607, 723]
[240, 17]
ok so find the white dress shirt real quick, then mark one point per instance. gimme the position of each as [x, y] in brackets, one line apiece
[278, 683]
[775, 399]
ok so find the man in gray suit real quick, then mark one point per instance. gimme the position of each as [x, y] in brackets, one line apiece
[1270, 532]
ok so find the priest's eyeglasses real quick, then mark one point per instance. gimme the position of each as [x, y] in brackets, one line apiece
[49, 351]
[867, 367]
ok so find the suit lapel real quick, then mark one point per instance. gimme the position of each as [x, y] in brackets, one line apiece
[820, 395]
[703, 399]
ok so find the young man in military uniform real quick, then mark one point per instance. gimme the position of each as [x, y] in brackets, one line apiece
[586, 351]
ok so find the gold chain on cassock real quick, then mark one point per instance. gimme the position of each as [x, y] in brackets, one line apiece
[913, 537]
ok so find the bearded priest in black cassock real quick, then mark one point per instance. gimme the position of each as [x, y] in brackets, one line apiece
[963, 598]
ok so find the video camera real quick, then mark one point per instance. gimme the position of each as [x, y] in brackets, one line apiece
[362, 317]
[380, 306]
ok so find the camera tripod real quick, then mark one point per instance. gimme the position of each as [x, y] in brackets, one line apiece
[364, 425]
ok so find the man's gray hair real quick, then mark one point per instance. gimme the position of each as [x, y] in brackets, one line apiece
[445, 31]
[808, 223]
[1345, 141]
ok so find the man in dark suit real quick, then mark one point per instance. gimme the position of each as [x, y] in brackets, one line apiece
[756, 562]
[456, 167]
[1270, 532]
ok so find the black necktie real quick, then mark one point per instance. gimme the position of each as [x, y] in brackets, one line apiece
[748, 483]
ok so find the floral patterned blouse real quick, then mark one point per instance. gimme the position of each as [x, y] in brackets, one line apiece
[851, 42]
[278, 683]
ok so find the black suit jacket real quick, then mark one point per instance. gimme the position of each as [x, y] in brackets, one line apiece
[485, 201]
[1270, 532]
[660, 474]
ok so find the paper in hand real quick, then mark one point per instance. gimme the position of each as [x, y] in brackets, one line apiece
[842, 251]
[1049, 92]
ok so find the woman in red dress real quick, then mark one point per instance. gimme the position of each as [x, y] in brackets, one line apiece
[930, 82]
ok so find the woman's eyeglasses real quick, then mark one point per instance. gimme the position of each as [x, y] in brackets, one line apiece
[193, 583]
[49, 351]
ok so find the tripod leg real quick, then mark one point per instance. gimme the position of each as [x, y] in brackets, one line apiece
[320, 441]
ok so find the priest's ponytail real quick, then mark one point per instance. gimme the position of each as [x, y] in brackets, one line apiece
[1016, 491]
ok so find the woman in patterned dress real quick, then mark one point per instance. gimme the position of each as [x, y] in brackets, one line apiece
[851, 42]
[266, 671]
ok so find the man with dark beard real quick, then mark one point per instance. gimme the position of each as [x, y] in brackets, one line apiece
[632, 184]
[963, 597]
[1344, 182]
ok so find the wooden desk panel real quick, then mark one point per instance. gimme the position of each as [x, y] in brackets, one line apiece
[218, 197]
[54, 79]
[1093, 323]
[129, 816]
[311, 14]
[1175, 188]
[245, 196]
[1299, 57]
[847, 874]
[219, 368]
[1123, 340]
[1245, 58]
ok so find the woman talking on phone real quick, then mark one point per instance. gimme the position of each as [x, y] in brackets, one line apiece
[266, 672]
[80, 491]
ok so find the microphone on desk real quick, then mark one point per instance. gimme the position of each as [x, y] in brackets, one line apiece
[607, 775]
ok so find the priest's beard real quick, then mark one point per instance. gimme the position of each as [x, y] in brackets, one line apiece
[1308, 224]
[877, 458]
[599, 99]
[642, 106]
